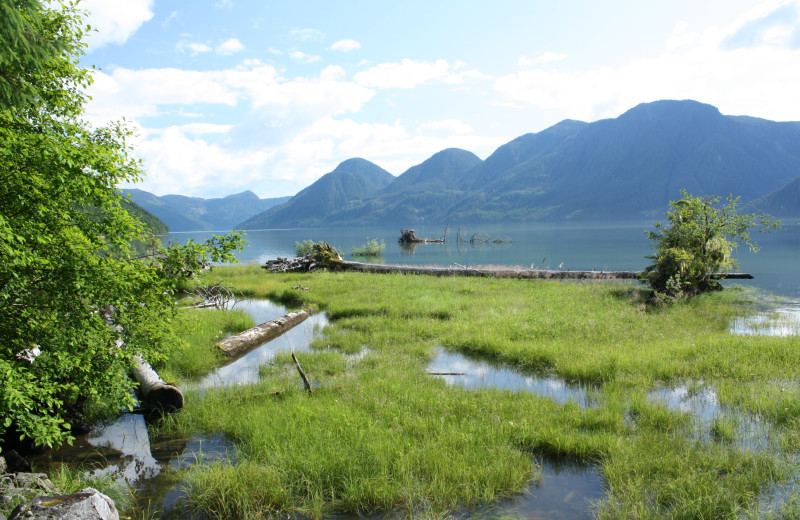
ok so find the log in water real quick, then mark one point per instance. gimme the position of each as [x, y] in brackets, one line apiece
[238, 344]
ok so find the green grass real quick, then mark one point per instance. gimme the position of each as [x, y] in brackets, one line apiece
[378, 434]
[200, 330]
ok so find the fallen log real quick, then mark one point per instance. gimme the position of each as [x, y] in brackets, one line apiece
[545, 274]
[238, 344]
[158, 395]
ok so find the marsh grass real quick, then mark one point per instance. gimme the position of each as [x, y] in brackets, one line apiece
[200, 330]
[381, 435]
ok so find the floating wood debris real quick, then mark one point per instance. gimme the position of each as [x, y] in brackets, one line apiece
[158, 395]
[238, 344]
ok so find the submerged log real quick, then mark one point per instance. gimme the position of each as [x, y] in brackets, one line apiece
[158, 395]
[238, 344]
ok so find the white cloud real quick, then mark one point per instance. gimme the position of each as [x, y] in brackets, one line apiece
[540, 59]
[345, 45]
[451, 126]
[114, 22]
[303, 57]
[411, 73]
[230, 46]
[681, 36]
[193, 48]
[307, 34]
[756, 79]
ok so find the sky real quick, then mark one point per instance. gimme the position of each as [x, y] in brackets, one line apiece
[269, 95]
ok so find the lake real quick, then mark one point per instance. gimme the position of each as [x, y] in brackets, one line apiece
[572, 246]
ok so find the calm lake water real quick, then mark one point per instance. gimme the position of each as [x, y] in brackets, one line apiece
[572, 246]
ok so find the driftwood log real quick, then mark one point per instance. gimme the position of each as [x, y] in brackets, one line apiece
[238, 344]
[547, 274]
[158, 395]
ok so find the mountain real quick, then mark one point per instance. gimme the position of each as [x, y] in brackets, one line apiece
[351, 181]
[154, 224]
[783, 202]
[183, 213]
[622, 169]
[631, 166]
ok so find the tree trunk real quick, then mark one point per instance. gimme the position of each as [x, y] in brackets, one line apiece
[238, 344]
[157, 394]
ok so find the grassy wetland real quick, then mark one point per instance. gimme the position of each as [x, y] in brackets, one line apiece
[380, 435]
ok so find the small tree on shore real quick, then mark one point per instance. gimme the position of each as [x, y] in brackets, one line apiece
[696, 244]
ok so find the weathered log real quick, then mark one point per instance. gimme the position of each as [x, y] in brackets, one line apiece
[546, 274]
[158, 395]
[306, 382]
[238, 344]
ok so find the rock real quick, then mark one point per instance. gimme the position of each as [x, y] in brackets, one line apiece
[3, 465]
[88, 504]
[15, 462]
[34, 481]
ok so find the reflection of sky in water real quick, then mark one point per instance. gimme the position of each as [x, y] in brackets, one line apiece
[480, 374]
[245, 369]
[566, 491]
[127, 435]
[780, 321]
[704, 407]
[259, 310]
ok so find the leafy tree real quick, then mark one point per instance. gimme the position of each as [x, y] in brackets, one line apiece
[76, 303]
[696, 244]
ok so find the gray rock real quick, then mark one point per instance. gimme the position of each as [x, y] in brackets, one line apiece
[88, 504]
[3, 466]
[35, 481]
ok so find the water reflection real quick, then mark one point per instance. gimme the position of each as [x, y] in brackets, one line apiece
[482, 374]
[245, 369]
[702, 403]
[566, 491]
[783, 320]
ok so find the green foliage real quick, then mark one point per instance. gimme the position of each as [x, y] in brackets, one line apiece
[697, 243]
[304, 248]
[370, 248]
[76, 302]
[308, 247]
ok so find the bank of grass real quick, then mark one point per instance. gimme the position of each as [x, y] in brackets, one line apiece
[200, 330]
[379, 434]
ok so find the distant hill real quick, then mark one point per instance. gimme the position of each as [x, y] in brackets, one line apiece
[622, 169]
[154, 224]
[783, 202]
[351, 181]
[183, 213]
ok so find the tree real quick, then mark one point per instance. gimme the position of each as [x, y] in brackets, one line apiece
[76, 303]
[697, 243]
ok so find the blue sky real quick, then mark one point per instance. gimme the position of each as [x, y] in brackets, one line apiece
[265, 95]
